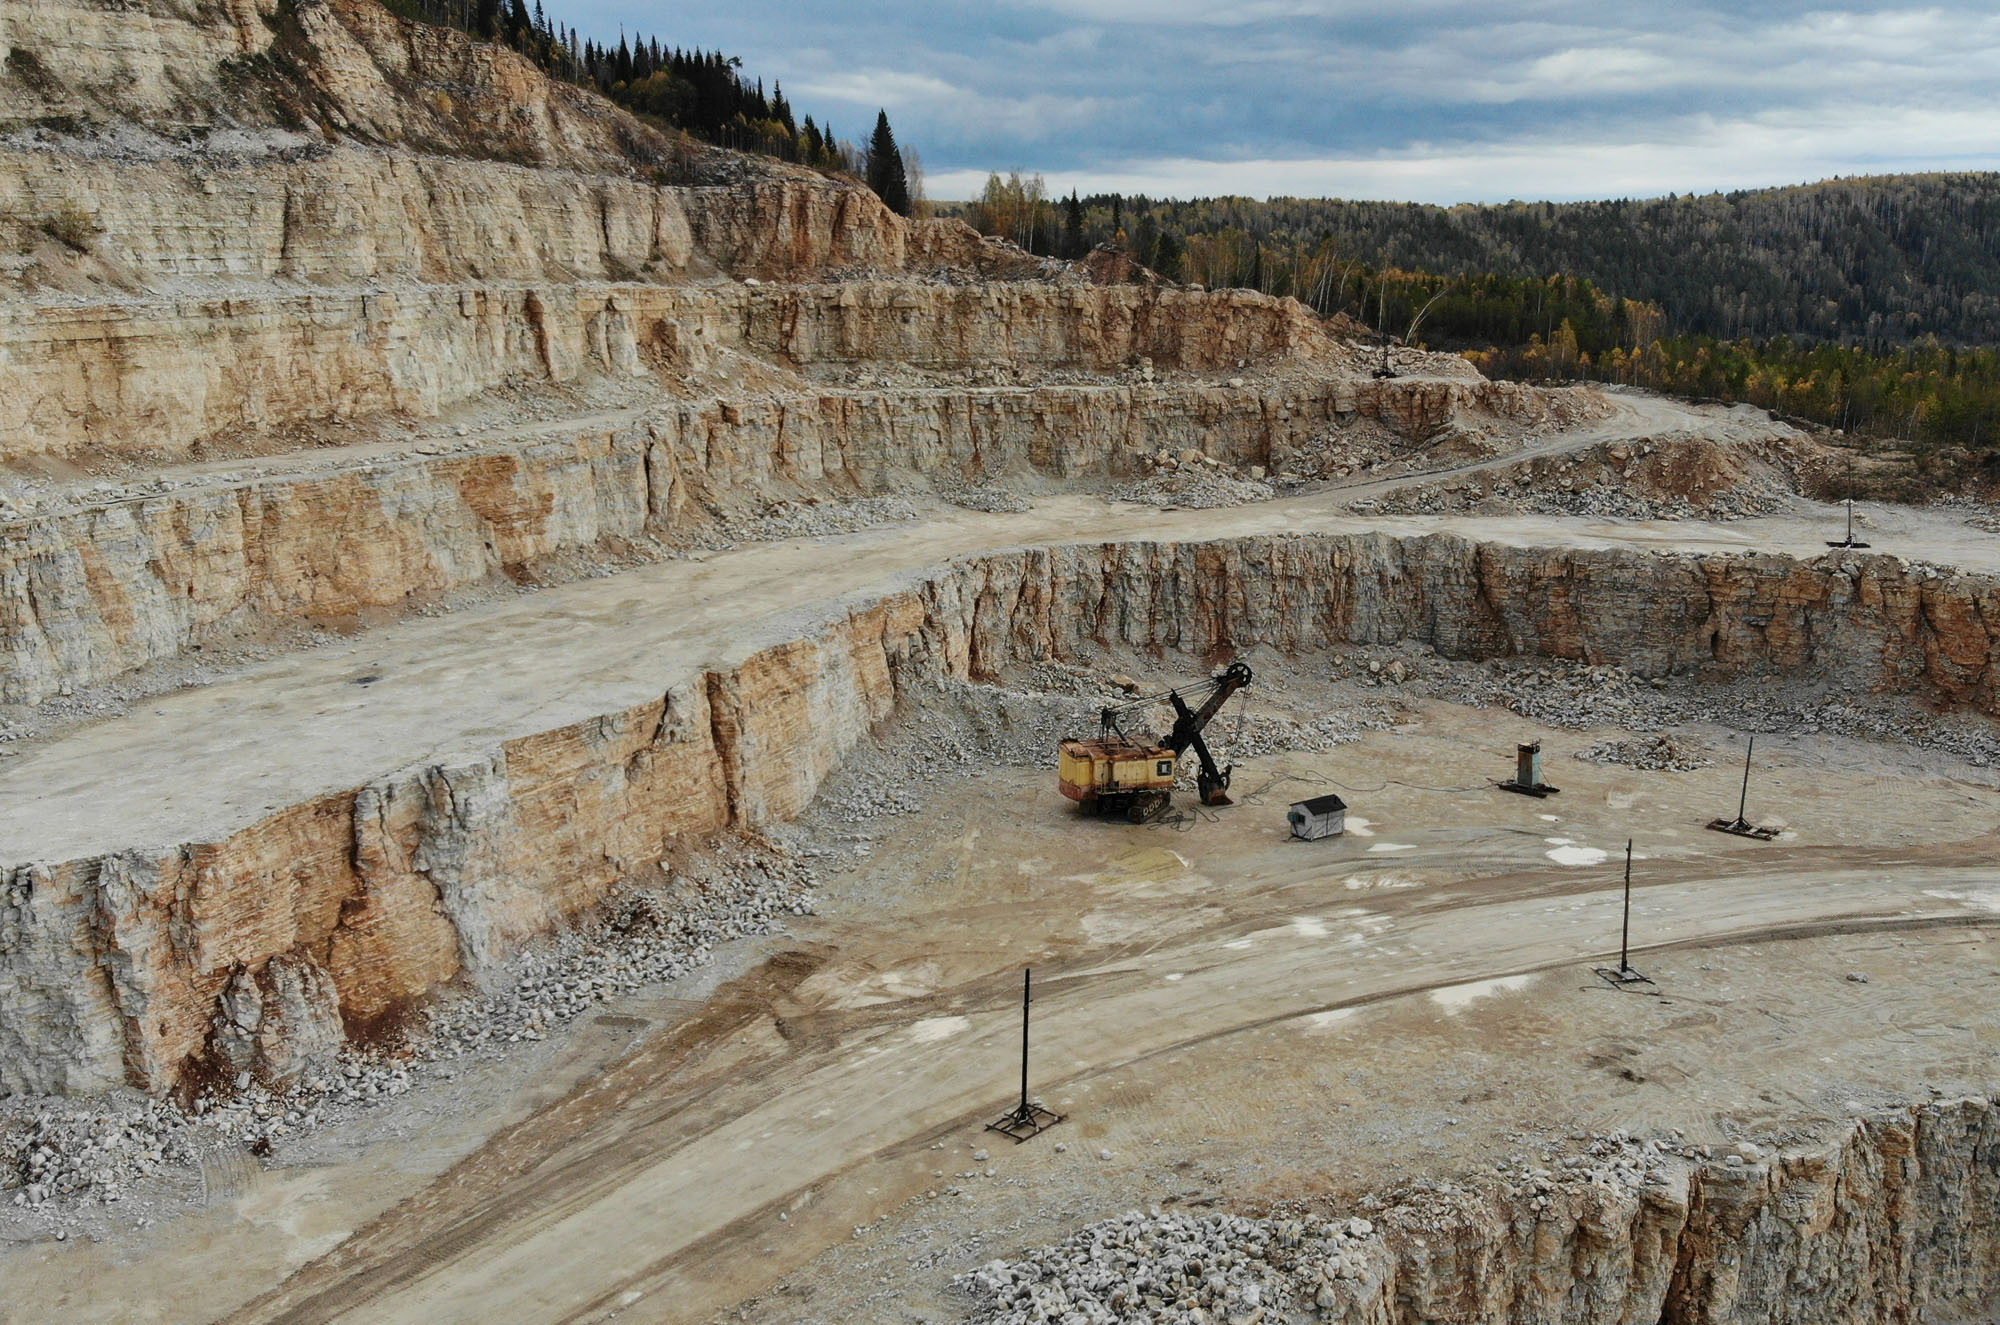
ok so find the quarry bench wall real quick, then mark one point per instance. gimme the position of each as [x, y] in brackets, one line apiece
[87, 595]
[111, 967]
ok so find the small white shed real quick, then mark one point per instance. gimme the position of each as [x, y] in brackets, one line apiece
[1322, 816]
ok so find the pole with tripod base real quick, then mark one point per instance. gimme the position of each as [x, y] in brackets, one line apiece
[1623, 975]
[1026, 1118]
[1741, 826]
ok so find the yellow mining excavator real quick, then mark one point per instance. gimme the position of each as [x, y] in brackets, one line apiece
[1115, 774]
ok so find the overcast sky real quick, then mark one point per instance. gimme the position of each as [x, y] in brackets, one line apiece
[1433, 100]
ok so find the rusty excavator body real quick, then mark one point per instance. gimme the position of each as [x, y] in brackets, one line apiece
[1115, 774]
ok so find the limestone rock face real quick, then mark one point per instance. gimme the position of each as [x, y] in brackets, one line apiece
[257, 75]
[1892, 1218]
[196, 225]
[89, 594]
[152, 379]
[116, 969]
[279, 1022]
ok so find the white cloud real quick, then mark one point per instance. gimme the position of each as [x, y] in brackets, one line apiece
[1454, 98]
[1029, 118]
[1693, 154]
[886, 88]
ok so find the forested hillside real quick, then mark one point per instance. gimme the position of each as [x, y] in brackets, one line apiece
[702, 93]
[1868, 305]
[1880, 260]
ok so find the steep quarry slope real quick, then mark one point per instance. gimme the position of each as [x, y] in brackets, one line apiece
[1891, 1218]
[228, 222]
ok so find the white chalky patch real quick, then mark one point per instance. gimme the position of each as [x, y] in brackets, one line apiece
[1308, 927]
[1320, 1021]
[1357, 882]
[1986, 899]
[1173, 976]
[1454, 998]
[1560, 841]
[1394, 846]
[1358, 827]
[1552, 818]
[1238, 945]
[932, 1029]
[1578, 856]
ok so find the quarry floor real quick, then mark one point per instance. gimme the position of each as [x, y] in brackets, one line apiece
[1230, 1019]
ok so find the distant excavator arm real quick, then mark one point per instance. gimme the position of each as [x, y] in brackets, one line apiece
[1100, 772]
[1212, 782]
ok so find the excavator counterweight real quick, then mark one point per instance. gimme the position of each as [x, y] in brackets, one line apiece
[1115, 774]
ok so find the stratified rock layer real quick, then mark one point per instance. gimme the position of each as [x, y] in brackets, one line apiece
[89, 594]
[1888, 1217]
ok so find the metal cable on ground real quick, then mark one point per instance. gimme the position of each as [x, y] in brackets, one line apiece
[1400, 782]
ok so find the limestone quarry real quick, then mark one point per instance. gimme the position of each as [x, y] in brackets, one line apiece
[531, 654]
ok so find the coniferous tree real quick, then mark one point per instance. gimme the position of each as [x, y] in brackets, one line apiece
[1072, 238]
[885, 168]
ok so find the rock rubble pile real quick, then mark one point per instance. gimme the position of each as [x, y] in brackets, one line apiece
[808, 518]
[1656, 754]
[1175, 1268]
[1574, 695]
[1292, 1266]
[986, 497]
[1668, 478]
[1198, 487]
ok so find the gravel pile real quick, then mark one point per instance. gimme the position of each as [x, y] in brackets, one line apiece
[1676, 477]
[958, 727]
[809, 518]
[1261, 734]
[57, 1156]
[994, 501]
[1196, 489]
[1656, 754]
[1573, 695]
[642, 938]
[1173, 1268]
[1226, 1268]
